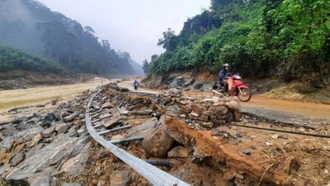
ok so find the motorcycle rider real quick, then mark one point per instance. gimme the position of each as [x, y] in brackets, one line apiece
[226, 80]
[135, 84]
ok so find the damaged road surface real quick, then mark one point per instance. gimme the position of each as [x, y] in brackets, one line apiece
[52, 146]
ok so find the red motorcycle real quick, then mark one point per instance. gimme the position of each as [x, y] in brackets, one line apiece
[240, 90]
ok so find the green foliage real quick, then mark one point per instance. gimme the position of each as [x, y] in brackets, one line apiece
[255, 37]
[15, 59]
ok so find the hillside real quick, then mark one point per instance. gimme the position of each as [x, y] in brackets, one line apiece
[34, 28]
[282, 39]
[15, 59]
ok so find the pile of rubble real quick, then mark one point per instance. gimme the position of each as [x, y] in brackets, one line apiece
[49, 142]
[203, 108]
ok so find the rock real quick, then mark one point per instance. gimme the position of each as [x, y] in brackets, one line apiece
[108, 105]
[71, 184]
[275, 136]
[18, 158]
[194, 114]
[117, 137]
[158, 144]
[113, 121]
[62, 128]
[196, 109]
[253, 147]
[178, 152]
[4, 122]
[71, 117]
[123, 111]
[81, 116]
[198, 157]
[173, 91]
[72, 132]
[19, 120]
[120, 178]
[145, 129]
[48, 132]
[101, 153]
[3, 170]
[42, 181]
[235, 107]
[239, 176]
[141, 112]
[269, 143]
[51, 156]
[36, 139]
[246, 152]
[82, 130]
[49, 119]
[207, 124]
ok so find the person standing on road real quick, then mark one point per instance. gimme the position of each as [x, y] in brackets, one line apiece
[135, 84]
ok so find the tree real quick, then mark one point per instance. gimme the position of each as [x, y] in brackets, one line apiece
[169, 40]
[89, 29]
[146, 67]
[106, 45]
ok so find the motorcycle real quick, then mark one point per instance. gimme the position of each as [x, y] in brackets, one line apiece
[240, 90]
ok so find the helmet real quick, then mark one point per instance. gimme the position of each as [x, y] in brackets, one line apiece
[225, 65]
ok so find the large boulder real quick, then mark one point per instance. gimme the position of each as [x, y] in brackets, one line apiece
[158, 144]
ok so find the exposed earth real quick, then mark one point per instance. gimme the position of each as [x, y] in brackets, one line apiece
[201, 153]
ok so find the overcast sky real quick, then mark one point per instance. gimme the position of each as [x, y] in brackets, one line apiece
[133, 26]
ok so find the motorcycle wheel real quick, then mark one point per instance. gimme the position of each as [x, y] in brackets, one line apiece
[244, 95]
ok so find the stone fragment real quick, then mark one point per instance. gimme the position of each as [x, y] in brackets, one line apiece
[18, 158]
[61, 128]
[246, 152]
[145, 129]
[120, 178]
[71, 117]
[108, 105]
[19, 120]
[36, 139]
[49, 119]
[207, 124]
[178, 152]
[48, 132]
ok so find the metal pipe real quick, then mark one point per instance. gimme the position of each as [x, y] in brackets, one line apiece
[158, 163]
[95, 115]
[126, 140]
[98, 126]
[114, 129]
[154, 175]
[106, 116]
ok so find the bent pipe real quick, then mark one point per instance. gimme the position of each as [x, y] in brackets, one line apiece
[154, 175]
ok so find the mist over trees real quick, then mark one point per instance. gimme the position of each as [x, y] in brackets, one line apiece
[32, 27]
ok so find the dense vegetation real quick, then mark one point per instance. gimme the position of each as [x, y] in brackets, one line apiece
[34, 28]
[259, 38]
[14, 59]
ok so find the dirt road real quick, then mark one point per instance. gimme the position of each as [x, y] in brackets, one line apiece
[13, 98]
[281, 110]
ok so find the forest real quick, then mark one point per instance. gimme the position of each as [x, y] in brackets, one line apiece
[284, 39]
[35, 29]
[15, 59]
